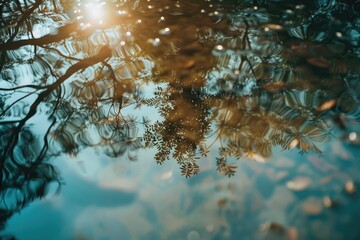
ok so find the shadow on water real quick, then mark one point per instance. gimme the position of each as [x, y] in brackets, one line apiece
[238, 78]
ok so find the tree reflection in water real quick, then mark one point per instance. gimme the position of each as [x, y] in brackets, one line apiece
[237, 77]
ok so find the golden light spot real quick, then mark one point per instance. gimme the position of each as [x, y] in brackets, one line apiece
[95, 11]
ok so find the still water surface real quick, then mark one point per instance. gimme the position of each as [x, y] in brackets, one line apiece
[215, 119]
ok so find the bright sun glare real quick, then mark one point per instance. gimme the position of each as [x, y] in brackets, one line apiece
[90, 12]
[94, 10]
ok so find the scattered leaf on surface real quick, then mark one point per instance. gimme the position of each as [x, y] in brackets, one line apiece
[350, 187]
[298, 184]
[273, 26]
[189, 64]
[256, 157]
[273, 227]
[328, 202]
[327, 105]
[293, 143]
[312, 206]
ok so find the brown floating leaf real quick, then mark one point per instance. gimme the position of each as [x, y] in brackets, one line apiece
[312, 206]
[328, 202]
[272, 226]
[298, 184]
[294, 143]
[273, 26]
[256, 157]
[350, 187]
[327, 105]
[189, 64]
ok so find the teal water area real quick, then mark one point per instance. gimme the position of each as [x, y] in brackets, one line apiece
[212, 119]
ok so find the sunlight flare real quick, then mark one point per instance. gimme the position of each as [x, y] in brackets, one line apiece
[95, 11]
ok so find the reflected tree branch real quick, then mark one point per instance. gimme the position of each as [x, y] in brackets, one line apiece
[63, 33]
[104, 53]
[37, 87]
[23, 19]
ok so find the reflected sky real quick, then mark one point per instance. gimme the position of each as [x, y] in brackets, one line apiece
[213, 206]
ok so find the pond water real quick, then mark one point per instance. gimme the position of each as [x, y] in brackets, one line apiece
[164, 119]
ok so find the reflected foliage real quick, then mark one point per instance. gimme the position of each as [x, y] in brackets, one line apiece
[242, 77]
[184, 129]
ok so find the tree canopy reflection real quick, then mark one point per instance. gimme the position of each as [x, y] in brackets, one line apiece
[231, 75]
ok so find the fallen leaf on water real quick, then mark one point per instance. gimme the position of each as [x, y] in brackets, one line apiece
[312, 206]
[189, 64]
[294, 143]
[350, 187]
[273, 26]
[328, 202]
[298, 184]
[256, 157]
[327, 105]
[272, 226]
